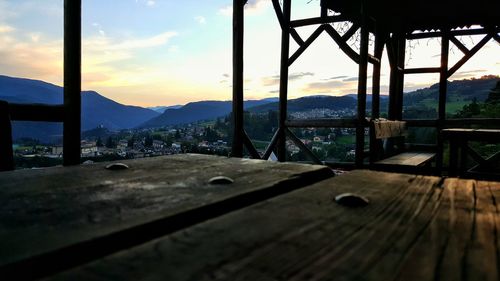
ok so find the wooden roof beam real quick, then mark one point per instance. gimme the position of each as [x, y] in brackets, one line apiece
[318, 20]
[306, 44]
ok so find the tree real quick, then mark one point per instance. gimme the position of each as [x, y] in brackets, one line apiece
[110, 142]
[148, 141]
[99, 142]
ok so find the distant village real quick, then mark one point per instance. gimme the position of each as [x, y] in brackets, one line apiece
[209, 137]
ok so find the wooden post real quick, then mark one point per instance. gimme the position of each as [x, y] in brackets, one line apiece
[443, 87]
[379, 49]
[285, 49]
[362, 83]
[393, 58]
[6, 153]
[400, 75]
[72, 81]
[238, 29]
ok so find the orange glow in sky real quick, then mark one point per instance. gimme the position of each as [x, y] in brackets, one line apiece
[161, 52]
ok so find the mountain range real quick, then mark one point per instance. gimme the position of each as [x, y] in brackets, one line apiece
[96, 109]
[200, 110]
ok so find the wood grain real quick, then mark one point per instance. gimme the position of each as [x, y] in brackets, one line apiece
[52, 219]
[415, 228]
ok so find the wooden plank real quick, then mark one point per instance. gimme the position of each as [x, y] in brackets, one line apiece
[36, 112]
[408, 159]
[304, 235]
[414, 228]
[55, 218]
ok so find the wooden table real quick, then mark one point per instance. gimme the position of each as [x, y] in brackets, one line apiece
[161, 220]
[460, 150]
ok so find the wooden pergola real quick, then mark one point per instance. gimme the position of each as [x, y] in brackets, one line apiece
[392, 24]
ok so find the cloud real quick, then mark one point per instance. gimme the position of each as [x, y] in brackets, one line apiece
[355, 79]
[149, 3]
[99, 29]
[6, 28]
[468, 74]
[200, 19]
[106, 44]
[226, 11]
[251, 8]
[338, 87]
[336, 77]
[275, 79]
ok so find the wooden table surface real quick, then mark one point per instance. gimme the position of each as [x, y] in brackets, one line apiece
[414, 227]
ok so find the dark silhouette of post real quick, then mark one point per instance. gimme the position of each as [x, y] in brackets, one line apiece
[72, 81]
[238, 28]
[6, 153]
[285, 50]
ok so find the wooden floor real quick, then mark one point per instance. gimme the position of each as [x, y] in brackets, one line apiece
[161, 219]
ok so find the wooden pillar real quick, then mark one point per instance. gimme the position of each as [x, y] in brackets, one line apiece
[72, 81]
[362, 83]
[400, 75]
[443, 87]
[6, 153]
[398, 47]
[238, 29]
[379, 49]
[285, 50]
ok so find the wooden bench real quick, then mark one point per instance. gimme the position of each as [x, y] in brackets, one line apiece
[391, 151]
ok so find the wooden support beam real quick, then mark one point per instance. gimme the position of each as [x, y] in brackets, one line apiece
[271, 145]
[422, 70]
[250, 147]
[36, 112]
[306, 44]
[443, 82]
[279, 15]
[373, 60]
[378, 52]
[400, 76]
[285, 50]
[319, 20]
[459, 45]
[470, 54]
[350, 32]
[6, 152]
[303, 147]
[362, 87]
[238, 36]
[72, 81]
[324, 123]
[379, 49]
[342, 43]
[443, 88]
[296, 36]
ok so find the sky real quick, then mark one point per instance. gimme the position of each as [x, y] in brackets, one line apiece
[167, 52]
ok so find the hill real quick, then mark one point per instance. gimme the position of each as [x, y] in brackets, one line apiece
[460, 92]
[197, 111]
[308, 103]
[96, 109]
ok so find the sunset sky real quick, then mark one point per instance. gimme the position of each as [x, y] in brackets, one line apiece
[166, 52]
